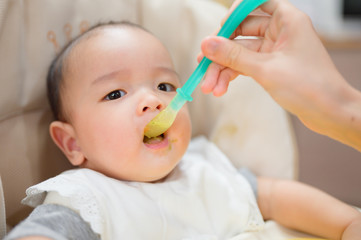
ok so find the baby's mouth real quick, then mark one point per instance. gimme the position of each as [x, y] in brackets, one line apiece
[153, 140]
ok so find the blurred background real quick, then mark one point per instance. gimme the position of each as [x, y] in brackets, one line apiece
[325, 163]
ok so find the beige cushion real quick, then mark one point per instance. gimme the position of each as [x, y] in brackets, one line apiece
[246, 123]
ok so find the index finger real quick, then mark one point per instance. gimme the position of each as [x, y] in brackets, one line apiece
[268, 7]
[255, 24]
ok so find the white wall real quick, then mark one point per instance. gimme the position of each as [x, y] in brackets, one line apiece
[325, 14]
[327, 18]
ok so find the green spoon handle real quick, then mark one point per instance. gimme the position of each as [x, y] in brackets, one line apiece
[237, 16]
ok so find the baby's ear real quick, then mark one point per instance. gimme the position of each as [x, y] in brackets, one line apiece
[63, 135]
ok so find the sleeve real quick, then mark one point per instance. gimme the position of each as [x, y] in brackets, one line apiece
[53, 221]
[251, 178]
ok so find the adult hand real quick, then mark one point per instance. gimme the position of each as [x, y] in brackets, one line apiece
[289, 61]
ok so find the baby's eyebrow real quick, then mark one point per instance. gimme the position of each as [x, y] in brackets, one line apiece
[126, 72]
[169, 70]
[110, 75]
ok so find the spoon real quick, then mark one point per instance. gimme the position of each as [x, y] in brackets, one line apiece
[160, 123]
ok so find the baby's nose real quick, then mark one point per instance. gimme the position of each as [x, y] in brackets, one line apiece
[149, 102]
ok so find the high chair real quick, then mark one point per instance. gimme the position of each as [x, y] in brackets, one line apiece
[245, 123]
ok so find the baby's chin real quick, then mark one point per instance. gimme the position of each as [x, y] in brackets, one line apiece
[161, 174]
[162, 178]
[155, 178]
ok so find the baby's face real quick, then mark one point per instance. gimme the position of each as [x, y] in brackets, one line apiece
[118, 80]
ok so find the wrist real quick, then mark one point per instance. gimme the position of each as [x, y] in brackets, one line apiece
[343, 111]
[353, 230]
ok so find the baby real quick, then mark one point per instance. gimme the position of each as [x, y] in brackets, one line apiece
[104, 88]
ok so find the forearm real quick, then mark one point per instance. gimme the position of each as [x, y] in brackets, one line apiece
[347, 117]
[325, 102]
[304, 208]
[335, 109]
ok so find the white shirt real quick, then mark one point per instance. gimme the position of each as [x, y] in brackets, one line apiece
[203, 198]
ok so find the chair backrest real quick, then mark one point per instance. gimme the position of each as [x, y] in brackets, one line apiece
[251, 129]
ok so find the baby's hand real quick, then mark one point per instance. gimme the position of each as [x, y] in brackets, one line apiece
[353, 231]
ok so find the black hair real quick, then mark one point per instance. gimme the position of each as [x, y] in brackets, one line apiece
[57, 69]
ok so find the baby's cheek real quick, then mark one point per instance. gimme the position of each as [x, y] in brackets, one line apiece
[184, 130]
[185, 121]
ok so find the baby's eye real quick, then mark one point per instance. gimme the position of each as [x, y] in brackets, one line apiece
[167, 87]
[115, 95]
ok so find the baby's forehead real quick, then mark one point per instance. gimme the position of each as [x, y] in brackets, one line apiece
[115, 34]
[108, 41]
[84, 42]
[106, 30]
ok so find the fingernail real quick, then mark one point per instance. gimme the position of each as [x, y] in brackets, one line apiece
[212, 46]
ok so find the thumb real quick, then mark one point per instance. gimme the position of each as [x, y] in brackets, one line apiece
[231, 54]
